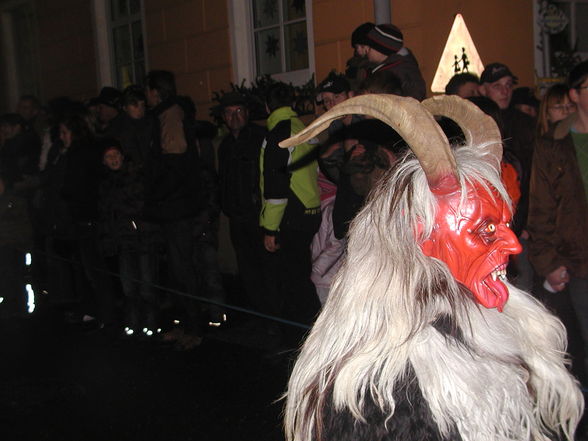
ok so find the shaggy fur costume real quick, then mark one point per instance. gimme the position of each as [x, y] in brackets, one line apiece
[402, 351]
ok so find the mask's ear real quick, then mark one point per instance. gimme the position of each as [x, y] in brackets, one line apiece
[427, 244]
[427, 247]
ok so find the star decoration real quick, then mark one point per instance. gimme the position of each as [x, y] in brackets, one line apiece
[300, 45]
[271, 46]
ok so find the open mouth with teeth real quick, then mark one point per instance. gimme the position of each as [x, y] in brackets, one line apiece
[495, 293]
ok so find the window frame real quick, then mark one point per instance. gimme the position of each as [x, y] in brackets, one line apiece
[243, 45]
[542, 46]
[128, 21]
[103, 32]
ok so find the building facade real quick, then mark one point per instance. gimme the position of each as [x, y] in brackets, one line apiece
[74, 47]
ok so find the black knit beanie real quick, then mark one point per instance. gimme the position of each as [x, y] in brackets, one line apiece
[359, 35]
[385, 38]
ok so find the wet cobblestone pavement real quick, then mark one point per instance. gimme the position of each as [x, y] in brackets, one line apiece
[60, 384]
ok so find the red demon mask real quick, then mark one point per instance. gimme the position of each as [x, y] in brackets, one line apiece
[475, 241]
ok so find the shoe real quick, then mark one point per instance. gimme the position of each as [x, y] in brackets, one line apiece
[188, 342]
[217, 321]
[128, 333]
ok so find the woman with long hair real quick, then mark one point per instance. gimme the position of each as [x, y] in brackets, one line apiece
[555, 106]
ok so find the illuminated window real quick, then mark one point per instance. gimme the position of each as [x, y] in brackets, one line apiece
[272, 37]
[281, 41]
[561, 35]
[127, 43]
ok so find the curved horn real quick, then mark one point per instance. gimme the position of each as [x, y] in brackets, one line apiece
[479, 129]
[405, 115]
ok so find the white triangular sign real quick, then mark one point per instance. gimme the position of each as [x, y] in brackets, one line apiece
[460, 55]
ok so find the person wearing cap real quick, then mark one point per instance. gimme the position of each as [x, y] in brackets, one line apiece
[109, 118]
[326, 249]
[333, 90]
[240, 196]
[134, 132]
[358, 66]
[359, 38]
[387, 52]
[558, 207]
[497, 83]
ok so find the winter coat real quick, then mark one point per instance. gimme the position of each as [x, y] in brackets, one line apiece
[288, 178]
[405, 66]
[519, 140]
[134, 136]
[558, 209]
[121, 205]
[172, 177]
[55, 218]
[81, 178]
[238, 165]
[19, 157]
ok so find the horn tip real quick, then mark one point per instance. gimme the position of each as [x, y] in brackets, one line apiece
[287, 143]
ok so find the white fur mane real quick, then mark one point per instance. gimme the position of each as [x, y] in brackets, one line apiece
[507, 382]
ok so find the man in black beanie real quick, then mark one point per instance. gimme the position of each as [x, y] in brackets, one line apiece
[358, 66]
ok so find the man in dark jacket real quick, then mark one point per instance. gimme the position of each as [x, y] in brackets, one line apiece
[238, 164]
[173, 197]
[387, 51]
[290, 213]
[134, 130]
[496, 83]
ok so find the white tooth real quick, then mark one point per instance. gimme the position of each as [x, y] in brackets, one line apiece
[502, 277]
[494, 275]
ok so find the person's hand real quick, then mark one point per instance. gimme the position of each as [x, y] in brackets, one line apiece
[270, 244]
[558, 278]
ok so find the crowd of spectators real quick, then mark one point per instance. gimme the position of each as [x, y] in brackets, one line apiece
[131, 182]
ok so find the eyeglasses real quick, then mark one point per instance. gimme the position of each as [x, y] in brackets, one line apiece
[563, 107]
[237, 111]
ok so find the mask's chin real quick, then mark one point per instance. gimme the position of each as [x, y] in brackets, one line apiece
[491, 292]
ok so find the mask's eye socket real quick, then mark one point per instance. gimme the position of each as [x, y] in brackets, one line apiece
[490, 228]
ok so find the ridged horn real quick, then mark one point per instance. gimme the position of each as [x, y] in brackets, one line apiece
[405, 115]
[479, 129]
